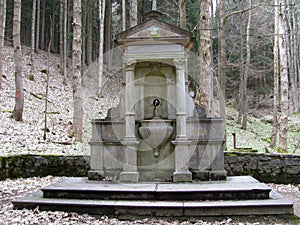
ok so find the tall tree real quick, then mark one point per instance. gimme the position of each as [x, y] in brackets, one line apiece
[89, 43]
[153, 4]
[205, 92]
[274, 132]
[17, 113]
[43, 25]
[292, 49]
[182, 14]
[61, 33]
[65, 40]
[77, 84]
[284, 81]
[31, 76]
[244, 94]
[123, 15]
[133, 13]
[108, 34]
[52, 28]
[101, 41]
[222, 57]
[37, 39]
[2, 33]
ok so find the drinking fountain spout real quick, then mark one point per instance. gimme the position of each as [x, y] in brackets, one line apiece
[155, 103]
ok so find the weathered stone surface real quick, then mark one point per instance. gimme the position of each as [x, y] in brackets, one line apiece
[243, 195]
[27, 166]
[277, 168]
[182, 176]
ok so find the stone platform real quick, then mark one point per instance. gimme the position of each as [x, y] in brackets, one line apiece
[236, 196]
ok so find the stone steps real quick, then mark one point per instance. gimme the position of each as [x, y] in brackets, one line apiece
[243, 188]
[276, 205]
[160, 199]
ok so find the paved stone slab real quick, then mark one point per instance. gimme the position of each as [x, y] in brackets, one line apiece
[244, 183]
[82, 184]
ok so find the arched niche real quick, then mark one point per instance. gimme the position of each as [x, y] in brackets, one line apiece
[155, 87]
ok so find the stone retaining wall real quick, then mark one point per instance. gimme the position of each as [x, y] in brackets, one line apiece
[276, 168]
[43, 165]
[269, 168]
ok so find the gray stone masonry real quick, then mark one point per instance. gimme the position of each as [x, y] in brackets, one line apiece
[275, 168]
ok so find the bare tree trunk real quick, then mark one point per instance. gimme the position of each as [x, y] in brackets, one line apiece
[205, 94]
[84, 32]
[133, 13]
[90, 33]
[292, 61]
[31, 76]
[51, 35]
[108, 35]
[61, 33]
[222, 59]
[284, 98]
[52, 29]
[65, 40]
[182, 14]
[17, 113]
[123, 15]
[70, 27]
[242, 60]
[246, 72]
[295, 64]
[273, 137]
[77, 86]
[153, 4]
[101, 19]
[37, 39]
[2, 33]
[43, 26]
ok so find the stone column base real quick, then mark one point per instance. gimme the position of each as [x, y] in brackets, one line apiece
[95, 175]
[129, 177]
[217, 175]
[182, 176]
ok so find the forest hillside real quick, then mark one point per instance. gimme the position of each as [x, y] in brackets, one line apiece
[27, 137]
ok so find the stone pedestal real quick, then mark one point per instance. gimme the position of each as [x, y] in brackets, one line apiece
[182, 157]
[96, 172]
[130, 173]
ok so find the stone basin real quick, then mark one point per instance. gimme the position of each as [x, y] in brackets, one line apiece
[155, 133]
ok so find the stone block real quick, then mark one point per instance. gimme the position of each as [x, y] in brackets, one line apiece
[129, 177]
[200, 175]
[182, 176]
[218, 175]
[95, 175]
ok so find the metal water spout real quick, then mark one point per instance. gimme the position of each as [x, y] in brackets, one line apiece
[155, 103]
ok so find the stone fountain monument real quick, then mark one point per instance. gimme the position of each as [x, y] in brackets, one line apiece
[156, 133]
[166, 156]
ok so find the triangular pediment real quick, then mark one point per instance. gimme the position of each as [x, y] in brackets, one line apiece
[155, 30]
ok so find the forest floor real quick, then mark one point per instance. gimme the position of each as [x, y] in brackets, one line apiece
[27, 137]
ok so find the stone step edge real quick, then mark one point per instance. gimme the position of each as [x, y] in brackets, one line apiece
[199, 195]
[276, 205]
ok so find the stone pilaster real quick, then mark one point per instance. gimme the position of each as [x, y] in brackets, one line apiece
[182, 173]
[130, 142]
[129, 100]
